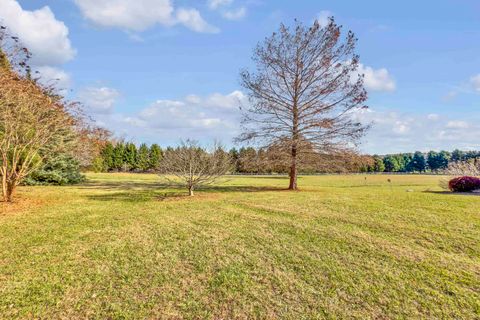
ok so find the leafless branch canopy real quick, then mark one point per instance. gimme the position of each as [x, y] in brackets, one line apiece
[303, 91]
[194, 166]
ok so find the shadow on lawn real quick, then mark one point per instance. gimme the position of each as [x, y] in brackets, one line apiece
[450, 193]
[131, 191]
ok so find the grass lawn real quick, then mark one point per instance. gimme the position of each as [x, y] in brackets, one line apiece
[123, 247]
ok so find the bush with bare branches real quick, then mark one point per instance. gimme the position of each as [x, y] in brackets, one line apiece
[469, 168]
[192, 166]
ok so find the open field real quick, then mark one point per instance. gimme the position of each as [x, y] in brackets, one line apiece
[123, 247]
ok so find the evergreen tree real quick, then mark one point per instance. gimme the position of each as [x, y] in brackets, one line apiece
[235, 157]
[438, 160]
[155, 156]
[378, 165]
[130, 157]
[391, 164]
[60, 169]
[458, 155]
[118, 159]
[143, 158]
[107, 156]
[418, 163]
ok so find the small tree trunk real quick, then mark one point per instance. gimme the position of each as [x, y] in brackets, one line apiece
[293, 170]
[9, 191]
[190, 191]
[4, 187]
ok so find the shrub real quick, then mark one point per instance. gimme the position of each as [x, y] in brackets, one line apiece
[59, 170]
[464, 184]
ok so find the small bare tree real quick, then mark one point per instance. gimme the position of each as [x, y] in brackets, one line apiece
[192, 166]
[463, 168]
[303, 92]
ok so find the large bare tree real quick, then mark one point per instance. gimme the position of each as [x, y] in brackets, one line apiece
[303, 92]
[192, 166]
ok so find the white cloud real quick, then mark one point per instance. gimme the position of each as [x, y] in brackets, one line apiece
[53, 76]
[230, 101]
[377, 80]
[457, 124]
[39, 30]
[226, 10]
[140, 15]
[475, 82]
[192, 19]
[214, 116]
[394, 132]
[235, 14]
[323, 18]
[99, 100]
[137, 15]
[215, 4]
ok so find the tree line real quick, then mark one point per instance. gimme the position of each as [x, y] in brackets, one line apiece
[432, 161]
[126, 156]
[120, 156]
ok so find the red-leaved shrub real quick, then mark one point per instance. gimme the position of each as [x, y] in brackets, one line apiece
[464, 184]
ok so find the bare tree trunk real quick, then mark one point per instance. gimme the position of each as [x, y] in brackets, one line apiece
[190, 191]
[4, 186]
[293, 170]
[293, 165]
[8, 191]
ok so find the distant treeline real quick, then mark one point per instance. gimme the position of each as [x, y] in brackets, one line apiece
[127, 157]
[121, 156]
[419, 162]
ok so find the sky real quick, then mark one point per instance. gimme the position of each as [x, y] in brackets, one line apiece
[158, 71]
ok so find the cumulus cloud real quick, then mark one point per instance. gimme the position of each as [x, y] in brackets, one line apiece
[140, 15]
[44, 35]
[214, 116]
[215, 4]
[53, 76]
[394, 132]
[192, 19]
[235, 14]
[99, 100]
[377, 80]
[457, 124]
[226, 10]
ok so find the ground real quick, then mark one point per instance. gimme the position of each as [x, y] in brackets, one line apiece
[122, 246]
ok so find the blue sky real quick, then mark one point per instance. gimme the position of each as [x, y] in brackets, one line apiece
[162, 70]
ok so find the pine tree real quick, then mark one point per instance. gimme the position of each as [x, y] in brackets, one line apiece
[118, 152]
[155, 156]
[130, 157]
[235, 157]
[107, 156]
[418, 163]
[378, 165]
[143, 158]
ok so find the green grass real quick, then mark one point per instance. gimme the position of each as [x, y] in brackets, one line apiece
[124, 247]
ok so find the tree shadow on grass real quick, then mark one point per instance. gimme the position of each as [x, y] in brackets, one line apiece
[123, 185]
[450, 193]
[132, 191]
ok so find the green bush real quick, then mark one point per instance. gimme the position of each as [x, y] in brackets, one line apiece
[61, 170]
